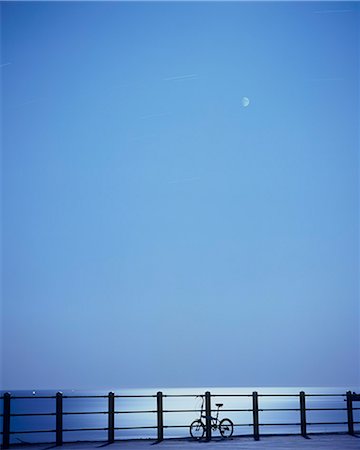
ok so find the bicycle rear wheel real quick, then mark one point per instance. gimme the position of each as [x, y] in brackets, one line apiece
[226, 428]
[197, 429]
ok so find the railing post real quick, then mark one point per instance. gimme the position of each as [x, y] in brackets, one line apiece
[303, 414]
[111, 417]
[160, 416]
[59, 418]
[255, 400]
[350, 415]
[208, 415]
[6, 422]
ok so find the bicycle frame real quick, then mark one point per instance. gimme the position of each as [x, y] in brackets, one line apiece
[198, 426]
[214, 420]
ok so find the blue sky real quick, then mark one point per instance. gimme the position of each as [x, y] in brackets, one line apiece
[155, 231]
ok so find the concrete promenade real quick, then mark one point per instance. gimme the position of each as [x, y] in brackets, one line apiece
[315, 442]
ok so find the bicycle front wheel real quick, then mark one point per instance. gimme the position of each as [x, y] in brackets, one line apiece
[226, 428]
[197, 429]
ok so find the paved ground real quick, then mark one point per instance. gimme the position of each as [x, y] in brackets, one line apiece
[316, 442]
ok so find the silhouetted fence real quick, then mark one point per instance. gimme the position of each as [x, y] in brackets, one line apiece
[159, 412]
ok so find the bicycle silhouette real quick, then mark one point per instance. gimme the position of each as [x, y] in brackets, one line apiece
[197, 427]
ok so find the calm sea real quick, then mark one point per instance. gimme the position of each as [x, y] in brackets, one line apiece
[126, 417]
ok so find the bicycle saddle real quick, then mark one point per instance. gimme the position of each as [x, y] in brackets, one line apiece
[219, 404]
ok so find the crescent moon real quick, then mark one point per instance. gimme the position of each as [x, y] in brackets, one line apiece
[245, 102]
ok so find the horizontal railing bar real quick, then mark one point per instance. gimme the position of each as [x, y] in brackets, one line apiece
[326, 409]
[54, 414]
[134, 396]
[278, 395]
[325, 395]
[68, 430]
[38, 397]
[174, 411]
[213, 410]
[177, 426]
[182, 395]
[83, 429]
[170, 396]
[72, 413]
[243, 424]
[234, 410]
[277, 409]
[187, 426]
[307, 423]
[267, 424]
[118, 428]
[32, 431]
[31, 414]
[135, 412]
[297, 409]
[94, 412]
[278, 424]
[84, 396]
[231, 395]
[135, 428]
[326, 423]
[115, 412]
[182, 410]
[27, 397]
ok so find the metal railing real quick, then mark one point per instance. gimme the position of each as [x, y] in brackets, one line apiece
[159, 412]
